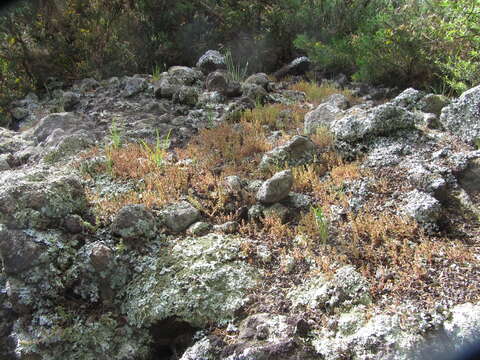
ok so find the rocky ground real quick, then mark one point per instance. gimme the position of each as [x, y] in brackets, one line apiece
[191, 215]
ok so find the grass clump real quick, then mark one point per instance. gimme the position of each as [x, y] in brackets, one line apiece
[319, 93]
[235, 71]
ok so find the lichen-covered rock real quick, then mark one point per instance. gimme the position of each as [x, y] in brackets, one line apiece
[197, 280]
[217, 81]
[381, 120]
[422, 207]
[270, 336]
[210, 61]
[66, 121]
[462, 116]
[277, 210]
[346, 289]
[187, 95]
[297, 151]
[299, 66]
[133, 86]
[381, 337]
[178, 217]
[276, 188]
[254, 92]
[77, 336]
[86, 85]
[199, 228]
[69, 100]
[260, 79]
[408, 99]
[18, 250]
[184, 75]
[19, 113]
[463, 326]
[134, 222]
[67, 146]
[39, 199]
[207, 348]
[4, 164]
[229, 227]
[323, 116]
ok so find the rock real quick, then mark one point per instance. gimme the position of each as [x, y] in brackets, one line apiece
[299, 201]
[462, 116]
[297, 151]
[133, 86]
[66, 121]
[230, 227]
[260, 79]
[255, 212]
[254, 92]
[433, 103]
[381, 337]
[69, 100]
[277, 210]
[408, 99]
[186, 95]
[234, 183]
[101, 257]
[276, 188]
[198, 280]
[381, 120]
[431, 121]
[323, 116]
[19, 113]
[469, 178]
[217, 81]
[422, 207]
[67, 146]
[199, 228]
[4, 165]
[178, 217]
[165, 87]
[38, 199]
[88, 84]
[18, 251]
[184, 75]
[205, 348]
[210, 61]
[463, 326]
[348, 288]
[134, 222]
[299, 66]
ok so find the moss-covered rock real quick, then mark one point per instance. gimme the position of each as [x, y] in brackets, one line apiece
[198, 280]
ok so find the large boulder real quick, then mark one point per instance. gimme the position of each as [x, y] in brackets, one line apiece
[382, 120]
[198, 280]
[68, 122]
[133, 85]
[422, 207]
[39, 199]
[408, 99]
[210, 61]
[297, 151]
[462, 116]
[276, 188]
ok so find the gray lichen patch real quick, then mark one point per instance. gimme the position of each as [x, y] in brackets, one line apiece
[198, 280]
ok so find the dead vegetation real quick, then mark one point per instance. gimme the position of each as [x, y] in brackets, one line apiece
[393, 252]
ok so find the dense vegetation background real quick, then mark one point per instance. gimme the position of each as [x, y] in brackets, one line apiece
[433, 44]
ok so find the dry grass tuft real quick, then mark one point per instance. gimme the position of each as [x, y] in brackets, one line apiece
[319, 93]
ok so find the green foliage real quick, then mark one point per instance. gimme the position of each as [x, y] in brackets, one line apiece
[157, 153]
[322, 223]
[235, 71]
